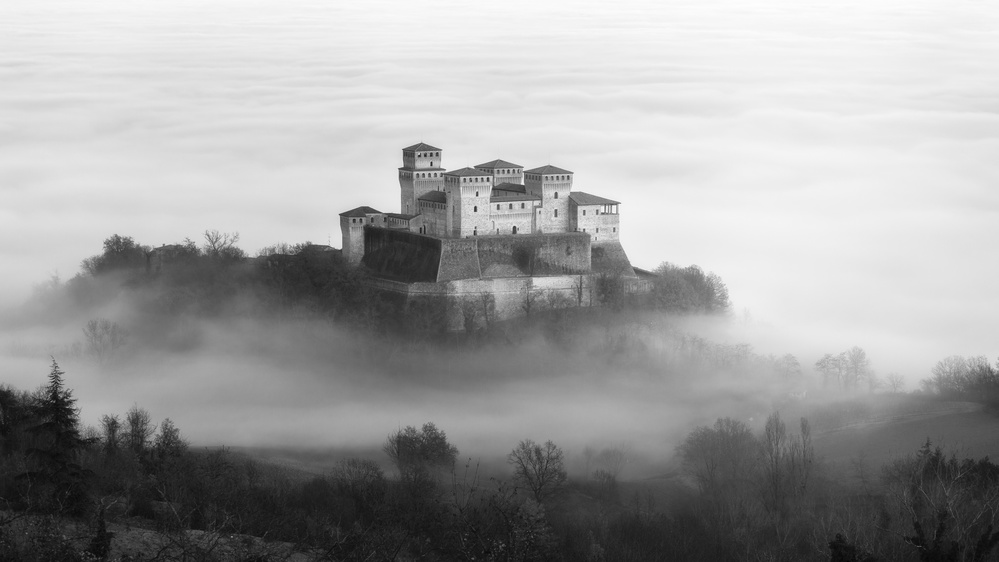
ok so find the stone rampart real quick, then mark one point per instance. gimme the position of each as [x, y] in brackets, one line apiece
[401, 256]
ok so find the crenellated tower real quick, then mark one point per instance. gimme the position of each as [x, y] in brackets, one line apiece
[468, 192]
[421, 172]
[553, 185]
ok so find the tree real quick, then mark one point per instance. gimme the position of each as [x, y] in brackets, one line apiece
[787, 463]
[689, 290]
[111, 429]
[858, 367]
[120, 252]
[104, 339]
[168, 442]
[138, 429]
[894, 382]
[722, 460]
[831, 367]
[222, 246]
[420, 451]
[539, 468]
[529, 299]
[61, 482]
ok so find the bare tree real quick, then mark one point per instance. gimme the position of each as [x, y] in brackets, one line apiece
[894, 382]
[104, 339]
[111, 429]
[539, 468]
[222, 245]
[529, 299]
[787, 463]
[139, 429]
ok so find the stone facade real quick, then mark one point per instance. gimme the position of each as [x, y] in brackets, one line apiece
[491, 229]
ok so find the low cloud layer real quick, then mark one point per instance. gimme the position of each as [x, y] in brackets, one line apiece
[833, 162]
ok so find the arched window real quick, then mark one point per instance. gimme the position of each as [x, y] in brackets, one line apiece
[521, 205]
[511, 205]
[515, 230]
[556, 195]
[497, 206]
[556, 213]
[475, 209]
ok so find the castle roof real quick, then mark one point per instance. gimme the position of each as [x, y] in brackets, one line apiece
[499, 164]
[508, 196]
[549, 169]
[581, 198]
[420, 146]
[360, 212]
[466, 172]
[434, 197]
[506, 186]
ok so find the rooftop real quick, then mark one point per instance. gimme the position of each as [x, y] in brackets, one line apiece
[508, 196]
[401, 216]
[499, 164]
[506, 186]
[466, 172]
[434, 197]
[581, 198]
[360, 212]
[549, 169]
[421, 147]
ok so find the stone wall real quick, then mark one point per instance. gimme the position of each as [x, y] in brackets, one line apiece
[459, 259]
[401, 256]
[490, 300]
[534, 254]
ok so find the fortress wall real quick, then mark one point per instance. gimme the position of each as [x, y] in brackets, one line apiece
[504, 297]
[400, 255]
[459, 259]
[609, 257]
[534, 254]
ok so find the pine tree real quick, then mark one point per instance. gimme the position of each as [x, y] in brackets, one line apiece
[57, 481]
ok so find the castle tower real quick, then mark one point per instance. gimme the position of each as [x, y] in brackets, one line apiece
[468, 191]
[553, 185]
[503, 172]
[352, 224]
[420, 173]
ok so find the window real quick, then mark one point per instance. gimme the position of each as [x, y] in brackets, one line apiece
[615, 229]
[584, 212]
[353, 220]
[556, 195]
[521, 205]
[475, 231]
[497, 206]
[475, 209]
[511, 205]
[598, 230]
[476, 193]
[515, 230]
[598, 211]
[556, 213]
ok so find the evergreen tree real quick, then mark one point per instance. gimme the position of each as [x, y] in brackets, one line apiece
[56, 482]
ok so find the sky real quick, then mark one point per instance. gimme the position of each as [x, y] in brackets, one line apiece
[834, 162]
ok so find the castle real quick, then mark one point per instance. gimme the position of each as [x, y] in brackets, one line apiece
[493, 230]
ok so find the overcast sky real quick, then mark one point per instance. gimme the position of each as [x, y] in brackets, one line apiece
[836, 163]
